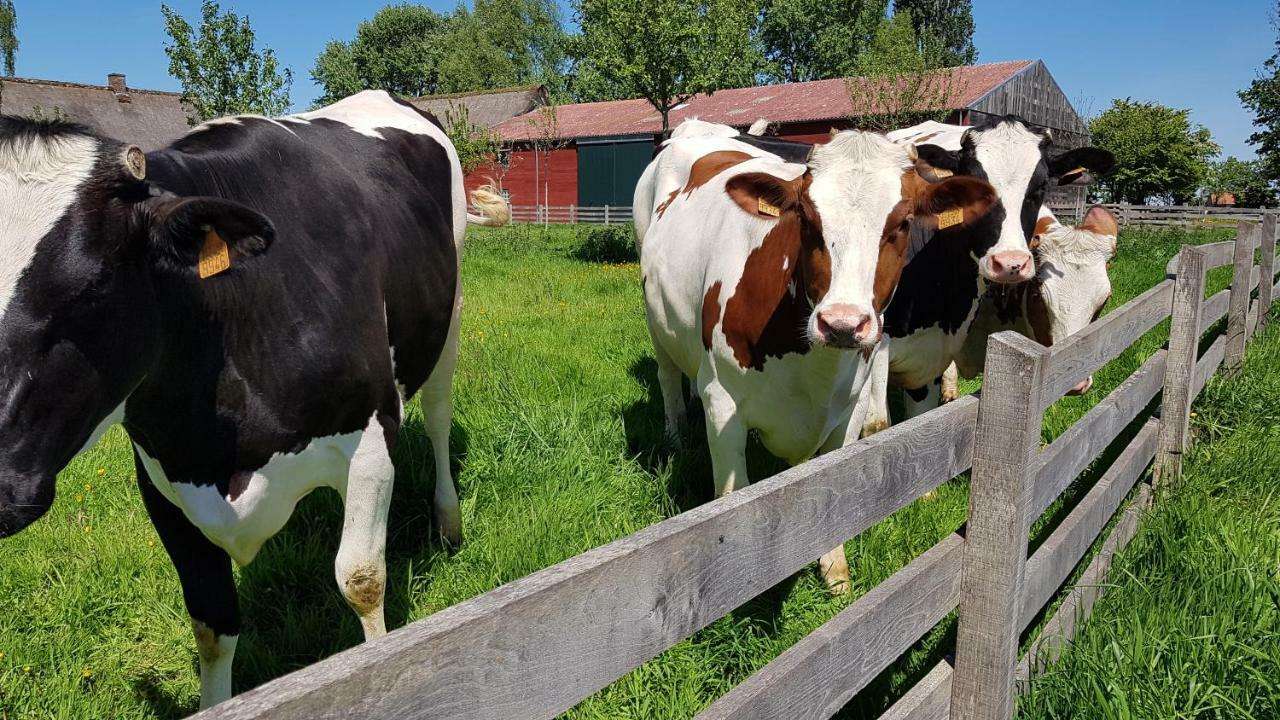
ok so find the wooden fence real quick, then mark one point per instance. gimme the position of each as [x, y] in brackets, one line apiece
[570, 214]
[1173, 215]
[537, 646]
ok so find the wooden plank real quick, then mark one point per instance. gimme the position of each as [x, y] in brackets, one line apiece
[539, 645]
[1084, 352]
[1215, 255]
[930, 699]
[1214, 308]
[1059, 464]
[1060, 629]
[1208, 365]
[1053, 561]
[818, 675]
[1179, 374]
[1267, 268]
[1238, 307]
[995, 554]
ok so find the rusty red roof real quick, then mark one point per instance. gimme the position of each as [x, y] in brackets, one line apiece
[788, 103]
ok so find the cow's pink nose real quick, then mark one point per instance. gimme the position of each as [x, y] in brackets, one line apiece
[1082, 387]
[846, 326]
[1012, 266]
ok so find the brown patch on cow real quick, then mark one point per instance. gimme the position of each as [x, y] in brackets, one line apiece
[1042, 227]
[710, 313]
[239, 483]
[711, 165]
[1038, 314]
[782, 280]
[1100, 220]
[662, 208]
[206, 642]
[364, 588]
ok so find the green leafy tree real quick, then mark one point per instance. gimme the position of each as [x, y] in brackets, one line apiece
[665, 51]
[220, 67]
[8, 34]
[896, 83]
[477, 146]
[1263, 98]
[398, 50]
[1246, 179]
[805, 40]
[944, 29]
[1160, 153]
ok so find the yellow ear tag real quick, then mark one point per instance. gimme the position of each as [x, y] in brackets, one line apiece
[949, 218]
[940, 173]
[1078, 171]
[215, 257]
[767, 208]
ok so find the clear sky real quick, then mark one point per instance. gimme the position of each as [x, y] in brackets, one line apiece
[1183, 53]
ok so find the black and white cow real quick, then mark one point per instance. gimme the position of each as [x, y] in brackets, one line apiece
[255, 303]
[939, 291]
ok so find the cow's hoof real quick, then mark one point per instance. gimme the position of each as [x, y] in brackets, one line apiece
[450, 530]
[873, 427]
[836, 586]
[949, 395]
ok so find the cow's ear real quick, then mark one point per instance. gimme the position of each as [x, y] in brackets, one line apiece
[1072, 165]
[204, 235]
[935, 163]
[1101, 221]
[955, 202]
[763, 195]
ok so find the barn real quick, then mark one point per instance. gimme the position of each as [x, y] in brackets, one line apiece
[591, 154]
[150, 119]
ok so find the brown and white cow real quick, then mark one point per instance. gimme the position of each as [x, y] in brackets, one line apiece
[765, 281]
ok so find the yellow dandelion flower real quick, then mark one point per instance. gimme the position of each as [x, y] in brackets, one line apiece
[1, 656]
[151, 543]
[88, 487]
[102, 471]
[79, 498]
[26, 668]
[86, 673]
[1194, 414]
[87, 530]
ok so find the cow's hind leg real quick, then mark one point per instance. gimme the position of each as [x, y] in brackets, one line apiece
[437, 411]
[361, 566]
[950, 384]
[208, 588]
[671, 383]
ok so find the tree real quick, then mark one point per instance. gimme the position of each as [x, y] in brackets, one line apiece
[1263, 98]
[398, 50]
[944, 29]
[1246, 179]
[8, 34]
[476, 146]
[221, 70]
[1159, 153]
[411, 50]
[665, 51]
[815, 39]
[897, 84]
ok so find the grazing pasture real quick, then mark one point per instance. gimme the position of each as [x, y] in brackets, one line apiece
[558, 448]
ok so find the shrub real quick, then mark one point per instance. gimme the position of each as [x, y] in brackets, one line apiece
[611, 244]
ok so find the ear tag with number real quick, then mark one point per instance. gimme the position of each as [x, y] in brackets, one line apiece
[767, 208]
[215, 257]
[940, 173]
[949, 218]
[1078, 171]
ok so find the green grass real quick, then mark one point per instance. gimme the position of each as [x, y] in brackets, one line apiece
[557, 446]
[1190, 627]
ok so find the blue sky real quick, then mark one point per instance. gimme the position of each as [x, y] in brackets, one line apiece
[1184, 53]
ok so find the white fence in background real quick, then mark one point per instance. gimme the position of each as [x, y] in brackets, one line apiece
[571, 214]
[1170, 215]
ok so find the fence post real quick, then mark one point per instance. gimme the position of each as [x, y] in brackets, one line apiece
[995, 551]
[606, 214]
[1268, 265]
[1238, 309]
[1180, 366]
[1124, 214]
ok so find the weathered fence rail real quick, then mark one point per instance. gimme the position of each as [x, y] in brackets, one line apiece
[571, 214]
[1176, 215]
[537, 646]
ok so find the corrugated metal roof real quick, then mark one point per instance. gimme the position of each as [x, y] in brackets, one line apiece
[788, 103]
[149, 119]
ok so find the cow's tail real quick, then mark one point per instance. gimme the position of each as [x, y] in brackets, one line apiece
[759, 127]
[492, 209]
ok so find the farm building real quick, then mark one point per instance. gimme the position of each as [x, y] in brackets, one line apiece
[149, 119]
[591, 154]
[484, 108]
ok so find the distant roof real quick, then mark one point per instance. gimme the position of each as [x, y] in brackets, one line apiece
[150, 119]
[485, 108]
[814, 101]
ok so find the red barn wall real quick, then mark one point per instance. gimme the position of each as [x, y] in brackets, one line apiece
[527, 180]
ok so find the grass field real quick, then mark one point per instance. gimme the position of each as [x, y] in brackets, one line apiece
[557, 447]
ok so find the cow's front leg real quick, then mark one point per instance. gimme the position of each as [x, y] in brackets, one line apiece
[921, 400]
[871, 412]
[726, 438]
[361, 566]
[208, 588]
[834, 565]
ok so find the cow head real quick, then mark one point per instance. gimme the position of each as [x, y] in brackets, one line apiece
[838, 240]
[83, 237]
[1017, 160]
[1072, 283]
